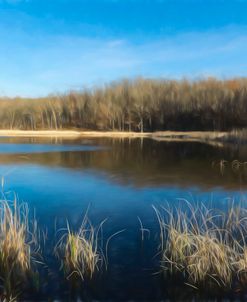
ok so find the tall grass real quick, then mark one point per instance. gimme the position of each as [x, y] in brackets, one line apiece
[139, 105]
[206, 247]
[80, 251]
[19, 247]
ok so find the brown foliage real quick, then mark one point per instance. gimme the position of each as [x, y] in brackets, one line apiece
[139, 105]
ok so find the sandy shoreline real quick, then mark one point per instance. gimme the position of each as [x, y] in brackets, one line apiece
[159, 135]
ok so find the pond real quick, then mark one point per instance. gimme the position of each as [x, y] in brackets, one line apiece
[121, 180]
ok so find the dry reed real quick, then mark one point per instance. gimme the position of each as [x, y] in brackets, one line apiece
[80, 251]
[204, 246]
[19, 248]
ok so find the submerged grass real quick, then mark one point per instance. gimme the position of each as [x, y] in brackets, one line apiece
[206, 247]
[236, 166]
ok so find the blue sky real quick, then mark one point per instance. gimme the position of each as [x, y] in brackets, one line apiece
[50, 46]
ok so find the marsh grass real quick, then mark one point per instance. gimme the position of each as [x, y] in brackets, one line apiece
[19, 248]
[236, 166]
[206, 247]
[80, 252]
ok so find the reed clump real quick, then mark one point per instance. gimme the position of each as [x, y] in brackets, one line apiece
[79, 251]
[19, 248]
[206, 247]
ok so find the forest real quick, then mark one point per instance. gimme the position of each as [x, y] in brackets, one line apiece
[134, 105]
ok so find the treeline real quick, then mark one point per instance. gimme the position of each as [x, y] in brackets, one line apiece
[139, 105]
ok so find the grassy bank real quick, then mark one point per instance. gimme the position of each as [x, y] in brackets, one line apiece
[158, 135]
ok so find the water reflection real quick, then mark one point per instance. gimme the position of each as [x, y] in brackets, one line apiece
[136, 162]
[121, 179]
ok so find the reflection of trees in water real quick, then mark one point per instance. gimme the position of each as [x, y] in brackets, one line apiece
[141, 162]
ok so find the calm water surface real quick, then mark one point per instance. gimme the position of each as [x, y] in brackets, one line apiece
[119, 179]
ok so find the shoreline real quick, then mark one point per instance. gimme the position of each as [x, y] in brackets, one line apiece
[158, 135]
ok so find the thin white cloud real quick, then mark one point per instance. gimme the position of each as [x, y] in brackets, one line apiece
[37, 64]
